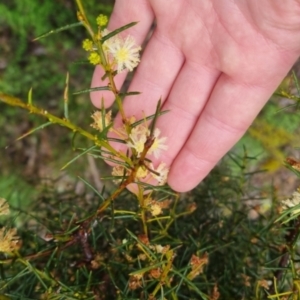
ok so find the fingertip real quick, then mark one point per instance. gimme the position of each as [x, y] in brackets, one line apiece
[187, 172]
[182, 186]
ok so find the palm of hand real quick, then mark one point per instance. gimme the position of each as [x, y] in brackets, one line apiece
[214, 64]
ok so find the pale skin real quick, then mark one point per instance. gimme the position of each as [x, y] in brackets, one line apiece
[214, 64]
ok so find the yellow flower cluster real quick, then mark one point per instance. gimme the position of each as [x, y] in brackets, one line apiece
[88, 45]
[101, 20]
[121, 53]
[94, 58]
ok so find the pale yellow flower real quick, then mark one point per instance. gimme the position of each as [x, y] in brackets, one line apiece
[142, 172]
[4, 207]
[142, 256]
[163, 171]
[121, 131]
[158, 144]
[98, 122]
[264, 283]
[109, 43]
[155, 209]
[124, 52]
[138, 137]
[9, 242]
[158, 248]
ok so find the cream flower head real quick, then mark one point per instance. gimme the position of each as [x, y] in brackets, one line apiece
[158, 144]
[292, 202]
[163, 171]
[124, 52]
[98, 122]
[138, 138]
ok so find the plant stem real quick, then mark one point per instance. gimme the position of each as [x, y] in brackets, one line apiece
[63, 122]
[82, 18]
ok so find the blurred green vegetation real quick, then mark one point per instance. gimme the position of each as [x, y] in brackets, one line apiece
[274, 134]
[25, 63]
[243, 249]
[224, 219]
[41, 65]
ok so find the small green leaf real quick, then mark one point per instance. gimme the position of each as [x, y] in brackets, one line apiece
[118, 31]
[191, 285]
[99, 88]
[148, 118]
[66, 27]
[156, 115]
[78, 156]
[29, 98]
[129, 94]
[106, 158]
[34, 130]
[144, 270]
[66, 97]
[100, 195]
[116, 140]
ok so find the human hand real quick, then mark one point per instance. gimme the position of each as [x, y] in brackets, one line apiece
[214, 64]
